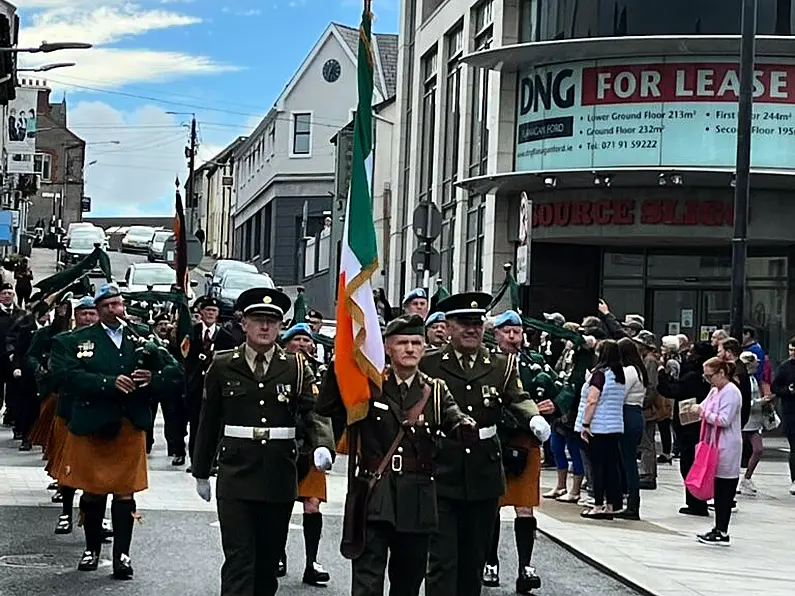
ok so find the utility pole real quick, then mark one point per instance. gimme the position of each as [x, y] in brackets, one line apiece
[190, 153]
[742, 188]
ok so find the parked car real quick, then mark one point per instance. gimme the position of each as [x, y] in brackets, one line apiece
[115, 235]
[137, 239]
[81, 243]
[73, 227]
[220, 268]
[139, 276]
[157, 246]
[235, 282]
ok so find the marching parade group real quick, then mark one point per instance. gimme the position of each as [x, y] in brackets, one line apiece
[458, 430]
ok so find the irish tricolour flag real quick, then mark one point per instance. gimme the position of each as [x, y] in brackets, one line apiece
[358, 349]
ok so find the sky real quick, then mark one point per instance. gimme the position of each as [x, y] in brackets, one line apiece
[226, 61]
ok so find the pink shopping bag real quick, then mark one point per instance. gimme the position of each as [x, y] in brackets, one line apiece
[700, 479]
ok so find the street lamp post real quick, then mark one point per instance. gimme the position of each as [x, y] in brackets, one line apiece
[47, 67]
[46, 48]
[742, 188]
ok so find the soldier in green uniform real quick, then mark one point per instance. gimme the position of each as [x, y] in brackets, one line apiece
[397, 440]
[111, 373]
[253, 395]
[521, 454]
[470, 479]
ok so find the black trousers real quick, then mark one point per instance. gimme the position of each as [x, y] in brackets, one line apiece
[193, 410]
[606, 471]
[688, 439]
[725, 490]
[26, 406]
[407, 555]
[788, 415]
[458, 550]
[252, 535]
[174, 429]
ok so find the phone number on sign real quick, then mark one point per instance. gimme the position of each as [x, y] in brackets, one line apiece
[639, 144]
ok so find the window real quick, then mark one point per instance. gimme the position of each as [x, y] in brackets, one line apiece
[476, 211]
[247, 241]
[42, 165]
[257, 233]
[302, 133]
[428, 126]
[452, 118]
[447, 246]
[268, 226]
[272, 140]
[406, 136]
[479, 146]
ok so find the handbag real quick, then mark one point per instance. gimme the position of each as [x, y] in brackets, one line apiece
[700, 479]
[771, 420]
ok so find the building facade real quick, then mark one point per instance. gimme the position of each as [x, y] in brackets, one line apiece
[59, 162]
[284, 174]
[618, 122]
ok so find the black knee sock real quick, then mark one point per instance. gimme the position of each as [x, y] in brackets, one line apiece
[494, 557]
[68, 503]
[93, 510]
[524, 529]
[313, 527]
[121, 512]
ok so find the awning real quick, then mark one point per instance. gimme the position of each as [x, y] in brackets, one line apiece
[512, 182]
[511, 58]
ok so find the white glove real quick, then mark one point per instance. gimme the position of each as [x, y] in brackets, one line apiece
[540, 428]
[17, 373]
[323, 459]
[203, 489]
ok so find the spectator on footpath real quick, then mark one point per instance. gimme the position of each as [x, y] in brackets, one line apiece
[672, 365]
[718, 337]
[652, 410]
[730, 351]
[783, 387]
[752, 430]
[24, 281]
[721, 412]
[636, 381]
[751, 345]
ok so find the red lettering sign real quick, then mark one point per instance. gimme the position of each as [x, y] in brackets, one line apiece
[653, 212]
[684, 82]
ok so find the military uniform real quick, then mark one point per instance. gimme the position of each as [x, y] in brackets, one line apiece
[255, 416]
[107, 449]
[471, 480]
[400, 514]
[203, 346]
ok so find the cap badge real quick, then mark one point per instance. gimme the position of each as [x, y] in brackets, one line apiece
[267, 300]
[473, 304]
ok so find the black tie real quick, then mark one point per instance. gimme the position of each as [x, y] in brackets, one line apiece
[404, 390]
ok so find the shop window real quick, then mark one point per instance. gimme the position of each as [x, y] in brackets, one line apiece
[476, 210]
[623, 265]
[447, 247]
[42, 165]
[624, 300]
[680, 266]
[479, 125]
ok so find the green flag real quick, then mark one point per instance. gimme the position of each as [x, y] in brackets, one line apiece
[63, 279]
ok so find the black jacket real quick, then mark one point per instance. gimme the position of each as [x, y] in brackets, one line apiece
[690, 385]
[199, 359]
[784, 382]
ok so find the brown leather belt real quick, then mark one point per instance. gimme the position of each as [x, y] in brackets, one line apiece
[400, 464]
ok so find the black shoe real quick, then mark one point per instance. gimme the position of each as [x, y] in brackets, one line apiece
[527, 580]
[189, 469]
[627, 514]
[107, 530]
[694, 512]
[8, 423]
[17, 435]
[52, 486]
[64, 525]
[315, 575]
[214, 471]
[122, 568]
[57, 497]
[89, 561]
[714, 538]
[647, 484]
[491, 576]
[179, 460]
[281, 569]
[26, 445]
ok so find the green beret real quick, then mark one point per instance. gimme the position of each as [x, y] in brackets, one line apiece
[406, 325]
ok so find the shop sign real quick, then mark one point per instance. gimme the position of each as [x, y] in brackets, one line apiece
[649, 212]
[651, 112]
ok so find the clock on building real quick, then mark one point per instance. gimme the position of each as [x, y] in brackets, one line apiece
[331, 70]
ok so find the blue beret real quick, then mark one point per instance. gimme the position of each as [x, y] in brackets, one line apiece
[437, 317]
[509, 317]
[85, 303]
[106, 291]
[297, 329]
[415, 293]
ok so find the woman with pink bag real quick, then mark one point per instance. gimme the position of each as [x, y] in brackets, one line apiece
[720, 414]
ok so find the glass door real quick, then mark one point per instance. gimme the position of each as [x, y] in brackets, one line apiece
[715, 313]
[674, 311]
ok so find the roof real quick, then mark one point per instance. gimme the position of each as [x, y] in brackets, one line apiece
[386, 56]
[222, 157]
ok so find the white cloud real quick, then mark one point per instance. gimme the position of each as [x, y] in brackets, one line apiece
[137, 175]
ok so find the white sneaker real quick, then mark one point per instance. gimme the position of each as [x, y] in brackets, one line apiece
[792, 488]
[747, 488]
[586, 501]
[554, 493]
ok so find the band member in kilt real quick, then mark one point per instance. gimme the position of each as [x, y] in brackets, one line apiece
[522, 462]
[312, 482]
[112, 373]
